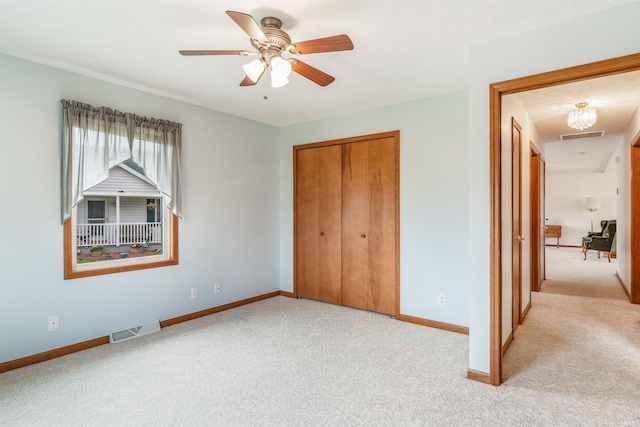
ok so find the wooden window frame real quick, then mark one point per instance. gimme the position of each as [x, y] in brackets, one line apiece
[69, 254]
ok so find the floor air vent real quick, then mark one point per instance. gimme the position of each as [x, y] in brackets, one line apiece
[581, 135]
[134, 331]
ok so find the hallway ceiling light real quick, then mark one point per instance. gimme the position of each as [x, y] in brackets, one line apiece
[582, 117]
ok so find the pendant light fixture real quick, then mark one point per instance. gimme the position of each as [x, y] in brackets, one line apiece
[582, 117]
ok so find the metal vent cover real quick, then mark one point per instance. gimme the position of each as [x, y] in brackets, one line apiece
[134, 331]
[570, 136]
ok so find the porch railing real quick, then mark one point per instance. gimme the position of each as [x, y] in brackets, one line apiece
[118, 234]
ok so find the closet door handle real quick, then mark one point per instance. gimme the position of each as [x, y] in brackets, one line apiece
[364, 236]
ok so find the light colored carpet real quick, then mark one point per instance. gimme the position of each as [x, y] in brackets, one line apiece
[579, 347]
[287, 362]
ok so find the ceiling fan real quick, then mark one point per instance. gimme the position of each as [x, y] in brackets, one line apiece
[270, 43]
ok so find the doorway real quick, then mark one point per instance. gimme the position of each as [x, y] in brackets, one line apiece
[497, 90]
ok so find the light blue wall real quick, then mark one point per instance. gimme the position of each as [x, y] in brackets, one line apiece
[238, 195]
[433, 198]
[609, 34]
[229, 234]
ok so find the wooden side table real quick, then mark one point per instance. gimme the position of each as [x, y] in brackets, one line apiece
[554, 231]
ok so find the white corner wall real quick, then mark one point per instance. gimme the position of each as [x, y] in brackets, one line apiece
[229, 233]
[623, 241]
[534, 52]
[433, 198]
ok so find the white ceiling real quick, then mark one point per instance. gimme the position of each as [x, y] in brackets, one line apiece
[616, 99]
[403, 50]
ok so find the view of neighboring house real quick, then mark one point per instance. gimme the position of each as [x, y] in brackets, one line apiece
[121, 211]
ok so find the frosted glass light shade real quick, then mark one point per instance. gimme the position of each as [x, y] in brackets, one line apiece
[278, 81]
[254, 69]
[280, 68]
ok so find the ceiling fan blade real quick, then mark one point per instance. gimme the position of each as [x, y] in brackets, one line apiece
[247, 82]
[312, 73]
[248, 24]
[326, 44]
[214, 52]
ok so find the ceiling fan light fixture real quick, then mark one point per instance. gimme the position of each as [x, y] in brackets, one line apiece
[269, 42]
[278, 81]
[582, 117]
[254, 69]
[281, 68]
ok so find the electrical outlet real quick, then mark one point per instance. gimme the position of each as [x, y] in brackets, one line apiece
[53, 323]
[217, 288]
[194, 293]
[442, 299]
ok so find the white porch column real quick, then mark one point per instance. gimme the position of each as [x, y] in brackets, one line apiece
[117, 220]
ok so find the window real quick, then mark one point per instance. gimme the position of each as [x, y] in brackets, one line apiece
[120, 191]
[96, 212]
[153, 210]
[122, 224]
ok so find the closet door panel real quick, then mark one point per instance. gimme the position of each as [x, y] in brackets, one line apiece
[318, 223]
[369, 228]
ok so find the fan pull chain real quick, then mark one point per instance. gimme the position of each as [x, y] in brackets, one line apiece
[265, 97]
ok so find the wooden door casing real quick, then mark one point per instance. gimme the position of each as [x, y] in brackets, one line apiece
[634, 286]
[369, 189]
[318, 223]
[537, 232]
[516, 209]
[543, 228]
[496, 92]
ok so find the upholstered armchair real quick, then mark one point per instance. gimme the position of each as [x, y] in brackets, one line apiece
[602, 242]
[603, 226]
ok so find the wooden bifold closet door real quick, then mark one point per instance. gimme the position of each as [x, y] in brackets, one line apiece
[319, 209]
[346, 222]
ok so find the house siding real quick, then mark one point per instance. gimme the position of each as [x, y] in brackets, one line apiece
[132, 209]
[121, 180]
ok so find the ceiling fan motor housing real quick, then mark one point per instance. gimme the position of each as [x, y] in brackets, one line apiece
[277, 40]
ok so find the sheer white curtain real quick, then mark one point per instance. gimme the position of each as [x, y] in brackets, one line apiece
[96, 139]
[156, 146]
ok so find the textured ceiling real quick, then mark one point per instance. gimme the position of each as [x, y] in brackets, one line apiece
[616, 99]
[404, 50]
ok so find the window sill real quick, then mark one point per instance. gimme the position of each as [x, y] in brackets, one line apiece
[86, 271]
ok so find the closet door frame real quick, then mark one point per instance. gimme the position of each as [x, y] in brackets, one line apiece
[343, 141]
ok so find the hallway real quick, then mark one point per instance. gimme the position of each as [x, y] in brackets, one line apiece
[568, 273]
[580, 342]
